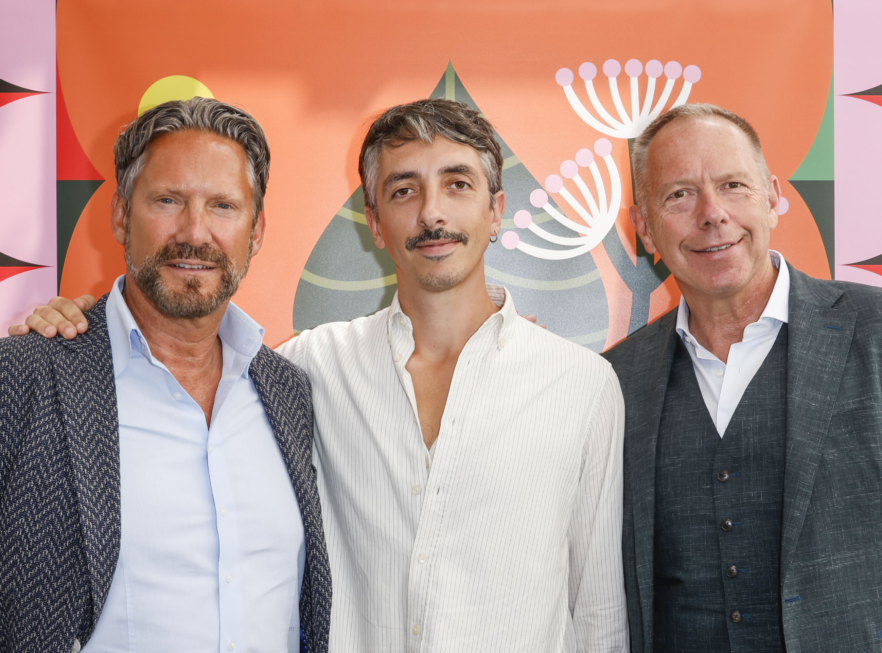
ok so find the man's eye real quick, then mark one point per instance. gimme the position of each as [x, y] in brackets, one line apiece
[678, 194]
[460, 185]
[224, 206]
[167, 200]
[401, 192]
[734, 184]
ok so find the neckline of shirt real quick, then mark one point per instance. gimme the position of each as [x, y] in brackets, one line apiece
[503, 319]
[238, 331]
[777, 309]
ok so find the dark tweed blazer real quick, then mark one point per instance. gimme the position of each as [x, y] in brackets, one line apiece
[831, 541]
[60, 487]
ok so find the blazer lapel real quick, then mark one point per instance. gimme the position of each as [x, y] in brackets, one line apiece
[819, 337]
[87, 394]
[646, 398]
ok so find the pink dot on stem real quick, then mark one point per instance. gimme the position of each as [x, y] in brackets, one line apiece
[783, 205]
[673, 70]
[569, 169]
[584, 157]
[692, 74]
[553, 183]
[603, 147]
[564, 77]
[633, 68]
[654, 68]
[510, 240]
[538, 198]
[523, 219]
[587, 70]
[612, 68]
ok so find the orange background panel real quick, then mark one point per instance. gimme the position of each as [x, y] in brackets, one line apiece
[314, 73]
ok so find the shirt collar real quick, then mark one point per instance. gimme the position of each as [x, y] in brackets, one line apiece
[502, 320]
[777, 308]
[237, 331]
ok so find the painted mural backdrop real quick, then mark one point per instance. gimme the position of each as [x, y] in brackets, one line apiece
[568, 86]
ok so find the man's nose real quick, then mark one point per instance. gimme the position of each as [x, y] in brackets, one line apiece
[195, 225]
[431, 215]
[711, 210]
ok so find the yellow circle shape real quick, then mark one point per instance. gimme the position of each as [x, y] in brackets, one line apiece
[175, 87]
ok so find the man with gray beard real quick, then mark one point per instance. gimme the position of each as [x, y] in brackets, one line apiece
[155, 476]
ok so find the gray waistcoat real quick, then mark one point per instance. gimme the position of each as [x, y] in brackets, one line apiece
[718, 515]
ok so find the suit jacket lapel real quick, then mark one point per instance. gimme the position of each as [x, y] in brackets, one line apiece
[646, 398]
[819, 337]
[87, 394]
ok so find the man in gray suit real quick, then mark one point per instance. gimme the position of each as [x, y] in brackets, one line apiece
[753, 435]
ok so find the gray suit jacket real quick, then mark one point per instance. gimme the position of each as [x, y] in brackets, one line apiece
[60, 486]
[831, 540]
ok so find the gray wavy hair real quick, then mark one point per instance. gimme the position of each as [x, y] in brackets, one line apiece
[423, 120]
[640, 150]
[199, 114]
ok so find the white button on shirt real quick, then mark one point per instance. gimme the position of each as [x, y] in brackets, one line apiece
[511, 541]
[185, 580]
[723, 384]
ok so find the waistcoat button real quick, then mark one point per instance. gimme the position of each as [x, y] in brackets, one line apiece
[722, 476]
[735, 616]
[731, 571]
[727, 525]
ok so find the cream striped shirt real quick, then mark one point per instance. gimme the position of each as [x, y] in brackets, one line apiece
[509, 537]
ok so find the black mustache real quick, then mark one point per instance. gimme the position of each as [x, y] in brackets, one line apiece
[436, 234]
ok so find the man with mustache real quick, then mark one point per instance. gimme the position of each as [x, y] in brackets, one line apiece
[753, 438]
[469, 462]
[156, 491]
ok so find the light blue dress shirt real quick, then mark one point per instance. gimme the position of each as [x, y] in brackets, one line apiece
[212, 548]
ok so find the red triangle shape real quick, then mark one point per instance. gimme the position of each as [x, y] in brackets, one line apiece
[6, 273]
[71, 162]
[875, 99]
[875, 269]
[8, 98]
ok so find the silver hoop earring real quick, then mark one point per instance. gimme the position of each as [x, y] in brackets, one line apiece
[494, 238]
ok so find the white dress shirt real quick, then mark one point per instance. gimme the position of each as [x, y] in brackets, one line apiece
[212, 548]
[723, 384]
[509, 537]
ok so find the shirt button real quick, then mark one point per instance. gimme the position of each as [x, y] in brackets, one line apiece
[722, 476]
[731, 571]
[397, 358]
[501, 342]
[727, 525]
[417, 489]
[177, 396]
[416, 629]
[233, 645]
[223, 512]
[735, 616]
[401, 320]
[229, 578]
[423, 558]
[210, 448]
[720, 374]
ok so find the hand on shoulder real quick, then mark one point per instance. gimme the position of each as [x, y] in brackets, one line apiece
[60, 315]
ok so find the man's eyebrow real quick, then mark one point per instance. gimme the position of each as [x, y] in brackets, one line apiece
[395, 177]
[461, 169]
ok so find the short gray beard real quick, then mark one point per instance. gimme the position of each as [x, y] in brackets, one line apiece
[190, 303]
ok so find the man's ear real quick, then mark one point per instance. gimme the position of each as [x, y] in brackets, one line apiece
[497, 210]
[774, 201]
[373, 221]
[638, 221]
[258, 232]
[118, 217]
